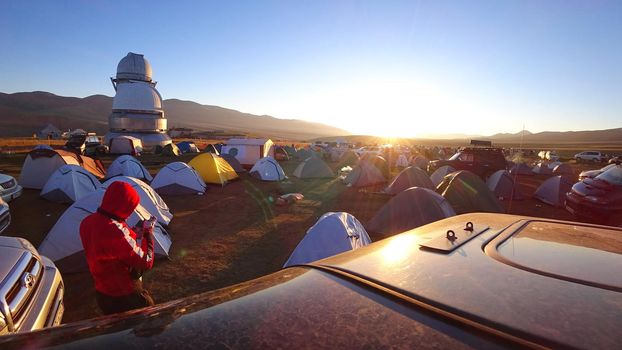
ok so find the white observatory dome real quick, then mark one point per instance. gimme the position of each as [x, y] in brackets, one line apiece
[134, 66]
[137, 96]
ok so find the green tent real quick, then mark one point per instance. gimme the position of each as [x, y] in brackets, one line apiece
[467, 193]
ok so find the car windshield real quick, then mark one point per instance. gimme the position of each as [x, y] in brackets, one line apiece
[613, 176]
[455, 156]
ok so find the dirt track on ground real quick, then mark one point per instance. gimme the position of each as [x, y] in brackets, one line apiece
[232, 233]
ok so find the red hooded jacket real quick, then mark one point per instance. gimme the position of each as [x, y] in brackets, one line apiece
[110, 245]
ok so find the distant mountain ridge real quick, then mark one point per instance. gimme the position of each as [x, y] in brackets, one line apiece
[23, 113]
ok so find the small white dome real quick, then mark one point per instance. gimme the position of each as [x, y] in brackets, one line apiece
[134, 66]
[137, 96]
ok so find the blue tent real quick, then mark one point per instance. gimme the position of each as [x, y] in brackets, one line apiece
[188, 147]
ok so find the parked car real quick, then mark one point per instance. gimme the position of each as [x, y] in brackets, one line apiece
[598, 199]
[470, 281]
[590, 174]
[9, 188]
[590, 156]
[31, 288]
[87, 144]
[480, 161]
[5, 215]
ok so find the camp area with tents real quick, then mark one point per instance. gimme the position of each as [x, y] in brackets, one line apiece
[232, 210]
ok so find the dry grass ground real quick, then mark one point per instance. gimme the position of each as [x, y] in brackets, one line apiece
[232, 234]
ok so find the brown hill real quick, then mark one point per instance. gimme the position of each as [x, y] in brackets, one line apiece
[23, 113]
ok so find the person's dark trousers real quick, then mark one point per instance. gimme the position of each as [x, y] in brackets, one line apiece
[112, 305]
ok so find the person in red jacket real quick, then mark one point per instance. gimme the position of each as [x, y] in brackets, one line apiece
[114, 256]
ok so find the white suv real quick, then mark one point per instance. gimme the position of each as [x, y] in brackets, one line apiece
[589, 156]
[31, 288]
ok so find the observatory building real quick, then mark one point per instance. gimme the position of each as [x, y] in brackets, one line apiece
[137, 105]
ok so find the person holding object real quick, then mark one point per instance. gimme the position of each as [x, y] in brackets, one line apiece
[117, 254]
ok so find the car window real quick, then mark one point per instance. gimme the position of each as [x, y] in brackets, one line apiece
[613, 176]
[466, 157]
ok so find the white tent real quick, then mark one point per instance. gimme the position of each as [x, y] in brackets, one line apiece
[268, 169]
[149, 199]
[64, 246]
[40, 164]
[126, 145]
[178, 178]
[332, 234]
[402, 161]
[68, 184]
[248, 151]
[128, 166]
[440, 173]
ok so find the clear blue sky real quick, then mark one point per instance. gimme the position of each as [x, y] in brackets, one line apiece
[384, 67]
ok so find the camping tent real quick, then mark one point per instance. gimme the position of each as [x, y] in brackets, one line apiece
[332, 234]
[178, 178]
[336, 153]
[170, 150]
[233, 161]
[211, 149]
[127, 165]
[467, 193]
[564, 170]
[268, 169]
[213, 169]
[419, 161]
[304, 153]
[348, 158]
[411, 208]
[380, 163]
[402, 161]
[124, 144]
[407, 178]
[280, 154]
[364, 174]
[312, 168]
[439, 174]
[69, 183]
[553, 191]
[149, 199]
[521, 169]
[64, 246]
[542, 169]
[49, 132]
[503, 185]
[40, 164]
[188, 147]
[248, 151]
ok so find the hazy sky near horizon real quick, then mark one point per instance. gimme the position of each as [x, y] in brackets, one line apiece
[400, 68]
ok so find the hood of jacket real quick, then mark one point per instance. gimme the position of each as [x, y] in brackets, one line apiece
[120, 200]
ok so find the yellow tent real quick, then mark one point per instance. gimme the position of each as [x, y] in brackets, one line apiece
[213, 169]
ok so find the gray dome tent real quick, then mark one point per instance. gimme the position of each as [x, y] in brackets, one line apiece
[467, 193]
[312, 168]
[332, 234]
[564, 170]
[127, 165]
[364, 174]
[178, 178]
[234, 162]
[407, 178]
[503, 186]
[68, 184]
[521, 169]
[439, 174]
[553, 191]
[411, 208]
